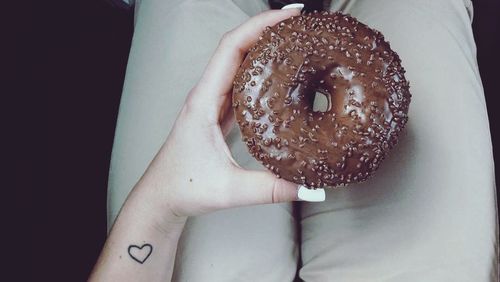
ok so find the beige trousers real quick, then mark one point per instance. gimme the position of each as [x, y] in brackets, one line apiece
[428, 214]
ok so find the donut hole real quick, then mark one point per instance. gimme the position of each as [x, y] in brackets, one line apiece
[322, 102]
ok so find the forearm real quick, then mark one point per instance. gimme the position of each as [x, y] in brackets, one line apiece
[194, 172]
[142, 243]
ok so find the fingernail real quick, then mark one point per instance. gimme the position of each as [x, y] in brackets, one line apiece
[311, 195]
[299, 6]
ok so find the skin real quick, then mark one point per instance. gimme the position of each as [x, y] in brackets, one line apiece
[172, 188]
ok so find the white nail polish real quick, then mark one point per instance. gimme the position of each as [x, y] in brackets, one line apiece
[311, 195]
[293, 6]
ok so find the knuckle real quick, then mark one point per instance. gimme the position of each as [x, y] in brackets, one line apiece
[192, 105]
[281, 191]
[276, 196]
[227, 38]
[187, 111]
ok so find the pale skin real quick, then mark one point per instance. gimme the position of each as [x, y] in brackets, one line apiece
[143, 241]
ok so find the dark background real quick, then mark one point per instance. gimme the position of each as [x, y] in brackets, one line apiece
[75, 60]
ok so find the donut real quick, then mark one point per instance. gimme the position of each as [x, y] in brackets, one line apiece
[320, 99]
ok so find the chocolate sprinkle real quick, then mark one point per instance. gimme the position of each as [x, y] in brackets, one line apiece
[336, 55]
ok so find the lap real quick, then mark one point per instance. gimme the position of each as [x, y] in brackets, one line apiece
[429, 213]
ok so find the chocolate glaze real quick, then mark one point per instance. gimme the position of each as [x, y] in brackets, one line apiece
[338, 56]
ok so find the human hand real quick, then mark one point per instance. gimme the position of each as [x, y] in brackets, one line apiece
[194, 172]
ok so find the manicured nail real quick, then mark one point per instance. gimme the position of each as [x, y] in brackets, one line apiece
[299, 6]
[311, 195]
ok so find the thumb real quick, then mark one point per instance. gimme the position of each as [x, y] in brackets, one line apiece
[262, 187]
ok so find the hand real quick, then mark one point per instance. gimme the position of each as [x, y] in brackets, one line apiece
[194, 172]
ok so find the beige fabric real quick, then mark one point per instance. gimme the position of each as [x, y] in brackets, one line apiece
[428, 214]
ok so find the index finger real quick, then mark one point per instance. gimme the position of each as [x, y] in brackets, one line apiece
[218, 76]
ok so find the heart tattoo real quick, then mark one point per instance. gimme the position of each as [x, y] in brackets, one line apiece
[140, 254]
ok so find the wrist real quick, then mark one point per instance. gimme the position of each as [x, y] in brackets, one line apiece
[144, 236]
[149, 200]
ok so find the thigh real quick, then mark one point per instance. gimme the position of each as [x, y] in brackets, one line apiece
[429, 213]
[244, 244]
[172, 43]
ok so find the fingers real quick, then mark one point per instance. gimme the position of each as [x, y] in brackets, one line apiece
[217, 79]
[261, 187]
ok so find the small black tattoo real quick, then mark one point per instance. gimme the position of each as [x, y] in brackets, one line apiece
[140, 254]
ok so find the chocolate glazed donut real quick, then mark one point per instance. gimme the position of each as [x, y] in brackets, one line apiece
[353, 67]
